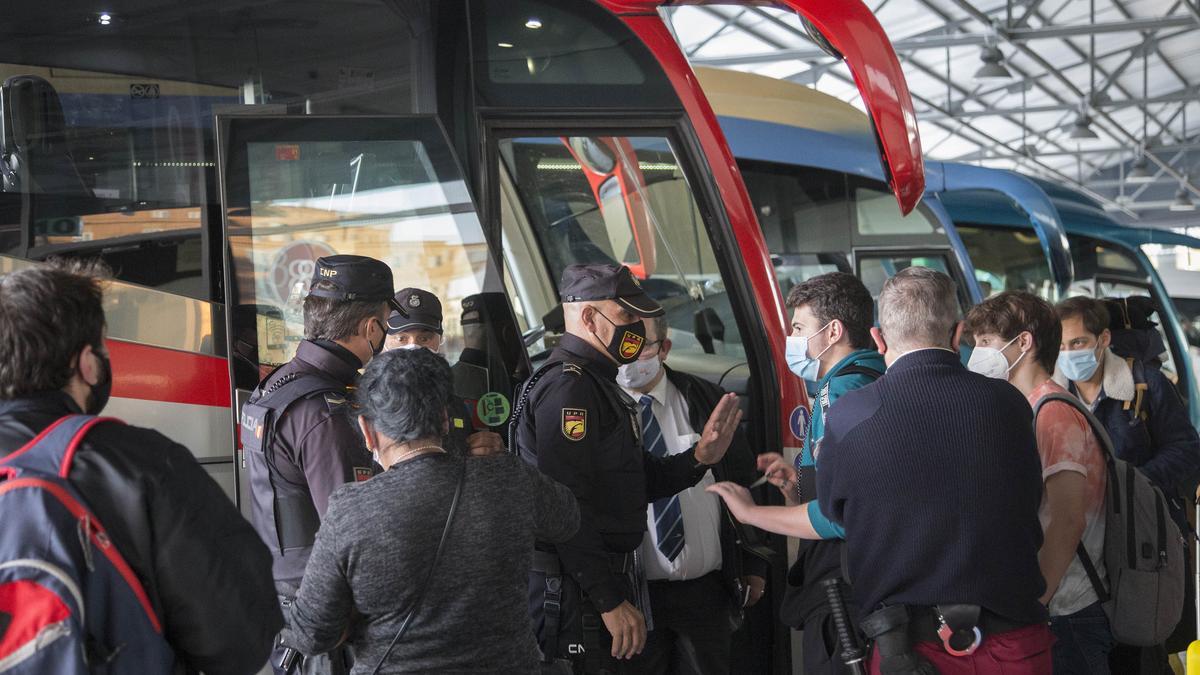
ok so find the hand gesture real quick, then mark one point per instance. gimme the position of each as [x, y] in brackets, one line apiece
[737, 498]
[718, 431]
[780, 473]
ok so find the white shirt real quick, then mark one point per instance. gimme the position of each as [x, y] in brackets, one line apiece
[701, 510]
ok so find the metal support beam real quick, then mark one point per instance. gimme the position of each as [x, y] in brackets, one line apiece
[1174, 97]
[1016, 35]
[986, 154]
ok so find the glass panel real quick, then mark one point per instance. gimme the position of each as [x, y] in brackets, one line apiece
[539, 53]
[875, 270]
[1008, 260]
[110, 148]
[1091, 257]
[879, 215]
[387, 188]
[800, 210]
[612, 199]
[794, 269]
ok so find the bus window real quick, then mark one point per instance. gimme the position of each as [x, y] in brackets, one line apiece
[792, 269]
[109, 147]
[875, 269]
[876, 214]
[300, 188]
[617, 200]
[1008, 259]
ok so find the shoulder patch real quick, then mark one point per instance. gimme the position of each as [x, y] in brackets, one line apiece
[572, 368]
[362, 473]
[574, 423]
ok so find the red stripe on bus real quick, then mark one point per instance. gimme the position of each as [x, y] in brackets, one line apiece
[158, 374]
[98, 535]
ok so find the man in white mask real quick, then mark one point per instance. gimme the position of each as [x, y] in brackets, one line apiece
[422, 329]
[1017, 337]
[696, 582]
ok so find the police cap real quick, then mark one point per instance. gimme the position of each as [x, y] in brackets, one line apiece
[355, 277]
[480, 307]
[424, 311]
[607, 282]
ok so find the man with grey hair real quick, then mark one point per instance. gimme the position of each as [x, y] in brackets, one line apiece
[933, 472]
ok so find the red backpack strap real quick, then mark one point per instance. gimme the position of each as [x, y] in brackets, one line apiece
[53, 450]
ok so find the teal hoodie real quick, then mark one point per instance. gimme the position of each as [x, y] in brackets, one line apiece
[830, 388]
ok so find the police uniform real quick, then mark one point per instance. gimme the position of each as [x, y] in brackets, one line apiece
[423, 310]
[576, 425]
[300, 441]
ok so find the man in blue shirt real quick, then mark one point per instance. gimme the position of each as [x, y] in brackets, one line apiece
[831, 346]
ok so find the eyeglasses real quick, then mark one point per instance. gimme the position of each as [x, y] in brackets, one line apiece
[652, 348]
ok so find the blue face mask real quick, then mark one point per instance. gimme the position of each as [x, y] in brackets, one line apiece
[798, 360]
[1078, 365]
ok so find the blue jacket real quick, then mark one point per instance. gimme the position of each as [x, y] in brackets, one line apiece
[1160, 440]
[830, 389]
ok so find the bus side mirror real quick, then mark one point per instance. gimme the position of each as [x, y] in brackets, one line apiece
[708, 327]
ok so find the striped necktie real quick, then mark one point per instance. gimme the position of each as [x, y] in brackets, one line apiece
[668, 516]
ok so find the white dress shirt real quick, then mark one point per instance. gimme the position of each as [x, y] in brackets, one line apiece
[701, 510]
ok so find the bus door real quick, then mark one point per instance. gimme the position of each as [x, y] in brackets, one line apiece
[296, 188]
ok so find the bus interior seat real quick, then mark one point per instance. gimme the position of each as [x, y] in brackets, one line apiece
[34, 156]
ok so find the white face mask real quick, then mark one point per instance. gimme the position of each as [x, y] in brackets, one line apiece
[990, 362]
[639, 373]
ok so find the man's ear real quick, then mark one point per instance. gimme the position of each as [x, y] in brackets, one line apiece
[880, 343]
[956, 337]
[89, 365]
[368, 433]
[1105, 339]
[838, 331]
[665, 349]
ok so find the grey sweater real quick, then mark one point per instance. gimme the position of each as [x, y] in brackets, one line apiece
[375, 548]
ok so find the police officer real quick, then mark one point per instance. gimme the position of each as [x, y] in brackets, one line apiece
[580, 428]
[421, 327]
[300, 442]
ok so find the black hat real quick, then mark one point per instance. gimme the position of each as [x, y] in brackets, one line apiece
[422, 310]
[357, 277]
[480, 307]
[607, 282]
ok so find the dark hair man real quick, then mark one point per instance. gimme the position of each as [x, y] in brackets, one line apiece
[172, 523]
[1146, 420]
[299, 439]
[699, 564]
[830, 346]
[421, 328]
[584, 432]
[933, 472]
[1016, 339]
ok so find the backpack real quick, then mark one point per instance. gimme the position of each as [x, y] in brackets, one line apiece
[1143, 552]
[69, 603]
[1136, 339]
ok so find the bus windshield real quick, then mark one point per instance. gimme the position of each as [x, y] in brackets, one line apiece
[1007, 259]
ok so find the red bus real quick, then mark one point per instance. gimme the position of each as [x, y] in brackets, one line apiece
[209, 152]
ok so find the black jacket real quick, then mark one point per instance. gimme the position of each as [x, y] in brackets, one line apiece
[742, 547]
[207, 573]
[581, 430]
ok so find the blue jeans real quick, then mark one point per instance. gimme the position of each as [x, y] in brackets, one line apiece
[1083, 642]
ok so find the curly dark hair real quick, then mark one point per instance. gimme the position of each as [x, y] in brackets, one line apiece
[841, 296]
[48, 313]
[1013, 312]
[404, 393]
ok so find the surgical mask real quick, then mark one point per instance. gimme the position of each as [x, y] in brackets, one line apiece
[639, 373]
[102, 390]
[990, 362]
[627, 341]
[1078, 365]
[798, 360]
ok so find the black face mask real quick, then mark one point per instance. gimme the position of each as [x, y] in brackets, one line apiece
[102, 390]
[382, 341]
[627, 341]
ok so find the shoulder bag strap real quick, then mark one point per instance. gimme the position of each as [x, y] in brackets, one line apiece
[437, 556]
